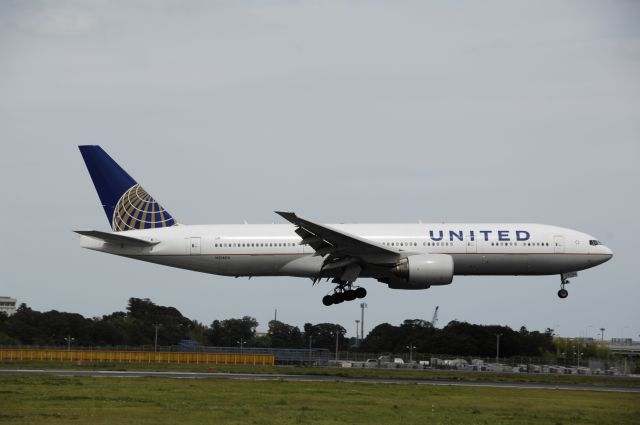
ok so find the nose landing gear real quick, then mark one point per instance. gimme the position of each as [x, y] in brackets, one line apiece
[563, 293]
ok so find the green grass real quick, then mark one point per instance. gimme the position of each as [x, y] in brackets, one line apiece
[614, 381]
[64, 400]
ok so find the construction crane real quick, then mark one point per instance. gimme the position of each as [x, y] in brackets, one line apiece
[434, 319]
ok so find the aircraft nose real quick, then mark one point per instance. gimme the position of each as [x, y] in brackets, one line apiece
[600, 254]
[608, 252]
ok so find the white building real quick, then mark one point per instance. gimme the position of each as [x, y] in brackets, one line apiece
[8, 305]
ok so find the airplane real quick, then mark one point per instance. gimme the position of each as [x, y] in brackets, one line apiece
[402, 256]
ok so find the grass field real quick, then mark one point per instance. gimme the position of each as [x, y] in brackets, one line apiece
[600, 380]
[80, 400]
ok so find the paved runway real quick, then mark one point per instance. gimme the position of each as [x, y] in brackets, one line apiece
[321, 378]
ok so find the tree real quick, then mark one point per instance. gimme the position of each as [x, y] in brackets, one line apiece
[381, 338]
[228, 333]
[104, 332]
[7, 340]
[25, 326]
[198, 332]
[284, 336]
[323, 335]
[142, 316]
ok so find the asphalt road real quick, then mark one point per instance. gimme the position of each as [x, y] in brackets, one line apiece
[320, 378]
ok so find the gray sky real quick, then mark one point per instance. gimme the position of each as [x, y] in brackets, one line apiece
[340, 111]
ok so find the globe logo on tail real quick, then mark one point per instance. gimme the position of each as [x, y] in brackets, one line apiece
[136, 209]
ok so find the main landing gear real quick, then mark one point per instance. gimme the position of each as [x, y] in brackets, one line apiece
[563, 293]
[344, 292]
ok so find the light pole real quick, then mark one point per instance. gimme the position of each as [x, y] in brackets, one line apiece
[155, 339]
[586, 331]
[241, 342]
[411, 347]
[602, 334]
[69, 340]
[357, 334]
[337, 334]
[498, 348]
[362, 306]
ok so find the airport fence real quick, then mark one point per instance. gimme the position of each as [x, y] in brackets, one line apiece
[124, 356]
[282, 356]
[189, 352]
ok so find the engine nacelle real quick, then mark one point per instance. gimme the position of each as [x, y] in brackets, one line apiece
[423, 270]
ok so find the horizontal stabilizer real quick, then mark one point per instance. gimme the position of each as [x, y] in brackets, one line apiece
[116, 238]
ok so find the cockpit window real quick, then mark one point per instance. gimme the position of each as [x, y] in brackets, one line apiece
[594, 242]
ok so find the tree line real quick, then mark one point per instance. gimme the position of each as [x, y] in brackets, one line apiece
[137, 326]
[459, 338]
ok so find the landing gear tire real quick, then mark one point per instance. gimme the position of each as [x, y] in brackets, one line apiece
[360, 292]
[563, 293]
[337, 298]
[344, 291]
[350, 295]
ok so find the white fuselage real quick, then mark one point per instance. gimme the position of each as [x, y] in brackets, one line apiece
[275, 249]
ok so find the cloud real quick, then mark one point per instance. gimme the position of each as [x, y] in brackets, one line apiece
[55, 22]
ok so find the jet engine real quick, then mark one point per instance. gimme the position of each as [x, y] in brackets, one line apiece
[421, 271]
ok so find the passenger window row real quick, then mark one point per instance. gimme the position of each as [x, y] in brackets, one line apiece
[516, 243]
[394, 244]
[416, 244]
[399, 244]
[452, 244]
[253, 245]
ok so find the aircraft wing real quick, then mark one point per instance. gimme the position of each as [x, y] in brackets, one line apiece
[115, 238]
[326, 240]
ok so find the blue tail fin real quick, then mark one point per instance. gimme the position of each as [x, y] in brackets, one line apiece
[127, 205]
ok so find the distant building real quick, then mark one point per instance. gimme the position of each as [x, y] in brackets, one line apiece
[625, 346]
[8, 305]
[621, 341]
